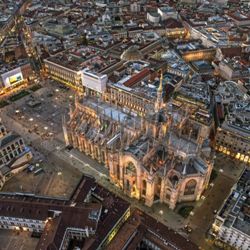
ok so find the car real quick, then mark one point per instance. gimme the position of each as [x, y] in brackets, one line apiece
[36, 235]
[69, 148]
[30, 168]
[188, 229]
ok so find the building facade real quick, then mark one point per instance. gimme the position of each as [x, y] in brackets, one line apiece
[233, 134]
[232, 143]
[62, 74]
[231, 225]
[15, 75]
[13, 151]
[14, 154]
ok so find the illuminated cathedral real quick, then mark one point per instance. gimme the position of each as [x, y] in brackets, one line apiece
[162, 155]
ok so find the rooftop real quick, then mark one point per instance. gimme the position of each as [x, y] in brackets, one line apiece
[7, 139]
[237, 119]
[85, 57]
[235, 210]
[5, 67]
[176, 64]
[98, 216]
[148, 228]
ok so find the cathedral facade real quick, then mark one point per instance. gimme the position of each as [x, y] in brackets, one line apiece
[161, 156]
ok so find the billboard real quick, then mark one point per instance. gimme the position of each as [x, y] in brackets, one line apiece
[12, 77]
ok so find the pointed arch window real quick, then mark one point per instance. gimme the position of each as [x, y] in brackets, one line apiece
[190, 187]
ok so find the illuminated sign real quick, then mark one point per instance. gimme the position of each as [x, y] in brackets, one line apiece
[12, 77]
[15, 78]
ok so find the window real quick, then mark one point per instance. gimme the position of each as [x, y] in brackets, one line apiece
[144, 187]
[158, 186]
[130, 169]
[168, 196]
[127, 185]
[190, 187]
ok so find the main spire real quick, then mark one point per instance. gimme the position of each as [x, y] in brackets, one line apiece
[159, 100]
[161, 81]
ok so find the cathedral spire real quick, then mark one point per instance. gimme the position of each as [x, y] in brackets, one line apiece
[160, 86]
[159, 100]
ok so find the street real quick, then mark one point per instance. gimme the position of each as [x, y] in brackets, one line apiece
[204, 212]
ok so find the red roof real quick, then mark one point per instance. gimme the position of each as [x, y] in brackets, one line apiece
[138, 77]
[231, 51]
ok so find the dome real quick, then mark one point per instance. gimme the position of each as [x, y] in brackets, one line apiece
[132, 54]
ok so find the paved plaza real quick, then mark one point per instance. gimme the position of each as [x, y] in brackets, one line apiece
[16, 240]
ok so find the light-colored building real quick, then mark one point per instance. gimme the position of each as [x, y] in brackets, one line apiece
[95, 82]
[167, 12]
[13, 75]
[68, 67]
[63, 74]
[231, 225]
[135, 7]
[153, 17]
[14, 154]
[233, 135]
[233, 69]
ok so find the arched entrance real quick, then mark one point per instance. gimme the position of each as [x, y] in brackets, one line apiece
[130, 178]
